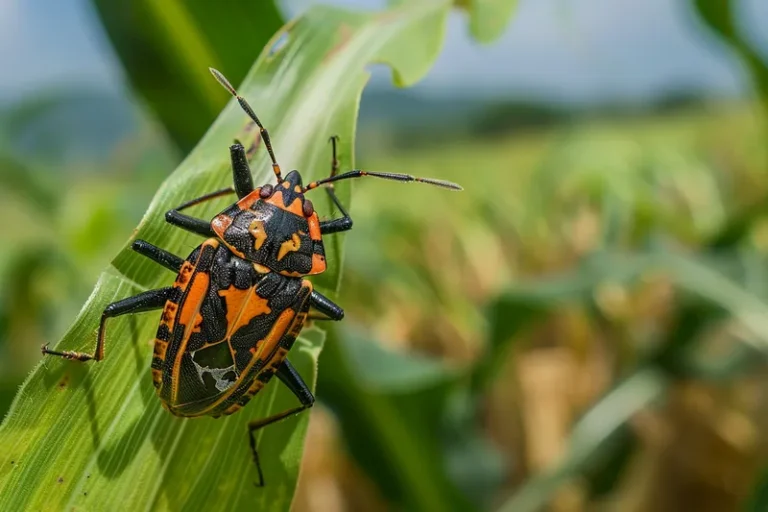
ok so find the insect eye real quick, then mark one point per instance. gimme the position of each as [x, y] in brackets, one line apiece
[265, 191]
[309, 208]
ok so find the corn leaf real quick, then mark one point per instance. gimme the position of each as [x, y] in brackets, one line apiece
[88, 436]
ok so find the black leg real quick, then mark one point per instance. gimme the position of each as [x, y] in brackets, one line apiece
[325, 306]
[165, 258]
[345, 222]
[146, 301]
[291, 378]
[241, 172]
[197, 226]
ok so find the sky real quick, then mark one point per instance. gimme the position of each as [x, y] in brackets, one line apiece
[565, 50]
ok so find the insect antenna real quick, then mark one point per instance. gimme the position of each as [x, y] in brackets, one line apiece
[357, 173]
[248, 110]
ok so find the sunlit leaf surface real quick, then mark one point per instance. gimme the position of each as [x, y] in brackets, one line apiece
[91, 435]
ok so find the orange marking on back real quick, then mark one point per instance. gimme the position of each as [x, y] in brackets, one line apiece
[318, 264]
[296, 207]
[314, 227]
[220, 224]
[291, 245]
[188, 316]
[160, 348]
[276, 199]
[281, 326]
[259, 234]
[242, 307]
[194, 299]
[246, 202]
[261, 269]
[169, 313]
[237, 253]
[182, 280]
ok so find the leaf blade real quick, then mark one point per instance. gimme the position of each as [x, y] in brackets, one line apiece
[85, 436]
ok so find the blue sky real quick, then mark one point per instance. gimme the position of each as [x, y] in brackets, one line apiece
[568, 50]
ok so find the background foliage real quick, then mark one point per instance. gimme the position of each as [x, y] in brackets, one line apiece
[585, 325]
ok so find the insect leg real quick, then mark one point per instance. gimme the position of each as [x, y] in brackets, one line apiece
[197, 226]
[241, 172]
[343, 223]
[291, 378]
[146, 301]
[241, 175]
[326, 306]
[165, 258]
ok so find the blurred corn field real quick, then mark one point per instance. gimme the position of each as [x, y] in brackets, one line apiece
[571, 196]
[583, 328]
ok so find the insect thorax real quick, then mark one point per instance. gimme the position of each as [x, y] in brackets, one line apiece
[274, 237]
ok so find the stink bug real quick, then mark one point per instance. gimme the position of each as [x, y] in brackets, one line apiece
[225, 330]
[240, 299]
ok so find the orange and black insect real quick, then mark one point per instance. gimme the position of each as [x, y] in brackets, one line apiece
[240, 298]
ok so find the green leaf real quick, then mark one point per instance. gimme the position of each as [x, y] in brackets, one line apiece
[90, 435]
[166, 48]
